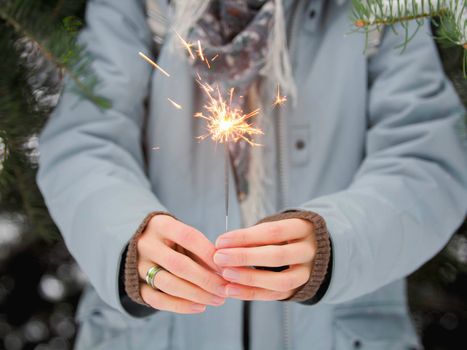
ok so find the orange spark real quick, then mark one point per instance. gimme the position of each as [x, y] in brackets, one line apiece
[214, 58]
[153, 63]
[200, 51]
[187, 46]
[226, 123]
[280, 100]
[175, 104]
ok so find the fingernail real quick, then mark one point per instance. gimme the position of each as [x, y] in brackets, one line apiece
[198, 307]
[232, 291]
[223, 242]
[231, 275]
[218, 300]
[221, 258]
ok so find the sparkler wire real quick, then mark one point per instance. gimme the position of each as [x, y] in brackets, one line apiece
[226, 183]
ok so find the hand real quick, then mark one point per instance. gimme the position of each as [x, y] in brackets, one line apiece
[189, 280]
[285, 242]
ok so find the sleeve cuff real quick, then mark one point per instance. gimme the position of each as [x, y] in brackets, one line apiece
[309, 292]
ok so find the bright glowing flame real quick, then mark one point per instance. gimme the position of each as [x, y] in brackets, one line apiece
[150, 61]
[225, 125]
[224, 122]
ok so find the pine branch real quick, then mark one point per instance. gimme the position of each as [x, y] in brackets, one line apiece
[21, 117]
[37, 49]
[390, 12]
[450, 16]
[56, 44]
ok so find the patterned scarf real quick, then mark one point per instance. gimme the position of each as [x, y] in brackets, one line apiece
[236, 32]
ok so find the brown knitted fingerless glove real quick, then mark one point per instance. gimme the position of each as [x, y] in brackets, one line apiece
[131, 278]
[323, 252]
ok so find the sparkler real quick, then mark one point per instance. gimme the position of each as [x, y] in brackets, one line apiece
[225, 124]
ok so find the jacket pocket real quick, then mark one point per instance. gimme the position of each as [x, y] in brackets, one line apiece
[374, 328]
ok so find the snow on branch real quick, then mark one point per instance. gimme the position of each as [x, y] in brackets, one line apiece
[450, 16]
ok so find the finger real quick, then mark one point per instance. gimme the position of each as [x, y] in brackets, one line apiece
[284, 281]
[182, 266]
[188, 238]
[265, 233]
[269, 255]
[200, 262]
[165, 302]
[237, 291]
[173, 285]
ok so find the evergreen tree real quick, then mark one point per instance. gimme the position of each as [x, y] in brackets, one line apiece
[39, 281]
[38, 44]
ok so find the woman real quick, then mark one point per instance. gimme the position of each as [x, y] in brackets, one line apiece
[364, 158]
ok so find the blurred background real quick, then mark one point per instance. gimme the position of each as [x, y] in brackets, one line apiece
[40, 284]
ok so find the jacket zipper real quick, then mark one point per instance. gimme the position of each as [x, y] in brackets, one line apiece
[281, 139]
[282, 202]
[246, 325]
